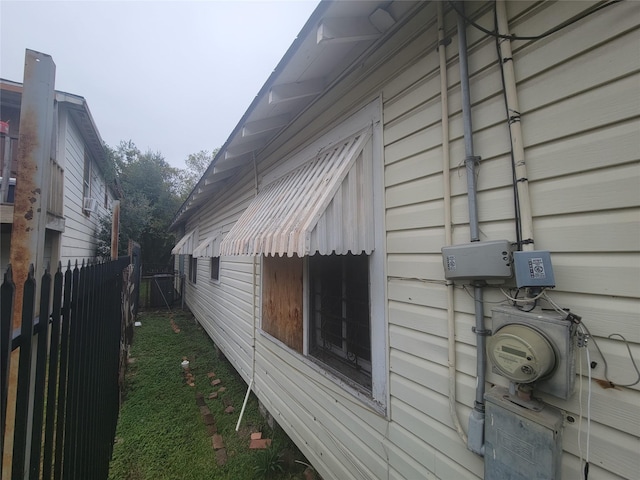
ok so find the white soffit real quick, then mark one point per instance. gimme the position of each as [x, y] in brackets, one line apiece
[323, 206]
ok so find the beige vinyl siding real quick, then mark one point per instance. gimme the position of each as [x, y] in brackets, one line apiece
[224, 308]
[578, 95]
[578, 92]
[325, 419]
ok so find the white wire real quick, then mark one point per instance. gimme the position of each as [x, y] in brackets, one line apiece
[555, 306]
[522, 300]
[580, 417]
[588, 355]
[588, 402]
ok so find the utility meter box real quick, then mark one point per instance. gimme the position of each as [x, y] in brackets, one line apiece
[535, 346]
[521, 444]
[490, 261]
[533, 269]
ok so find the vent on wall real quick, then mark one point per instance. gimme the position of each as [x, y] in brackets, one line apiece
[90, 205]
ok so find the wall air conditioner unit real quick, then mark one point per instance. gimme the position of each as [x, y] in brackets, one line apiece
[90, 205]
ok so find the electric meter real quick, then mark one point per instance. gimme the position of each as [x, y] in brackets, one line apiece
[521, 353]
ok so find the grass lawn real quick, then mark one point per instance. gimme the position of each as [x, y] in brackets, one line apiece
[161, 432]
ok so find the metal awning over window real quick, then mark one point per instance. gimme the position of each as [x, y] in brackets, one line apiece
[324, 206]
[185, 245]
[210, 247]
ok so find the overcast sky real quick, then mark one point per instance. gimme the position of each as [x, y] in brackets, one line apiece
[173, 76]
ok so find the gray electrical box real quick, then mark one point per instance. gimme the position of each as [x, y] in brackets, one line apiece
[479, 261]
[561, 335]
[521, 444]
[533, 269]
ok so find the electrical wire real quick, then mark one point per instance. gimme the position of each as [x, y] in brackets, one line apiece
[551, 31]
[584, 460]
[523, 300]
[580, 391]
[564, 313]
[586, 349]
[516, 197]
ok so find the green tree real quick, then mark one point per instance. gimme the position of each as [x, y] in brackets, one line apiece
[197, 164]
[151, 196]
[152, 191]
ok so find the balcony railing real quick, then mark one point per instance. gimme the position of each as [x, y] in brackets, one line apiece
[8, 181]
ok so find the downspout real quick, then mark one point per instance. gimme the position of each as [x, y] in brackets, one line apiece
[451, 326]
[515, 127]
[475, 441]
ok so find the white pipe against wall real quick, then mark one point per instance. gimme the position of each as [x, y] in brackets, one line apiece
[244, 405]
[515, 126]
[446, 181]
[253, 312]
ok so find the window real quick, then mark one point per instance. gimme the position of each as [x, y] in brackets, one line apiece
[339, 329]
[334, 296]
[193, 268]
[215, 268]
[315, 224]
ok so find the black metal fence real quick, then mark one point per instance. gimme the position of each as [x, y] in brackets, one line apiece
[60, 405]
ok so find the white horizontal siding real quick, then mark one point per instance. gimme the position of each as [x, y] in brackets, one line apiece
[225, 308]
[326, 420]
[78, 239]
[581, 116]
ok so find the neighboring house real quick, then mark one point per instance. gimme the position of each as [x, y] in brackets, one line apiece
[79, 193]
[312, 244]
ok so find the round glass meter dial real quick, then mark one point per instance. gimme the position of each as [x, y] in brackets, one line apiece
[520, 353]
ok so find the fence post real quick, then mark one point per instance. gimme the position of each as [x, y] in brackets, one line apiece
[30, 207]
[7, 291]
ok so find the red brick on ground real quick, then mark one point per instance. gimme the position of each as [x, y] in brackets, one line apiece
[229, 409]
[221, 457]
[217, 442]
[256, 436]
[260, 444]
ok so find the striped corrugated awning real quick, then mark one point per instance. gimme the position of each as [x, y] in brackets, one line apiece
[324, 206]
[185, 245]
[210, 247]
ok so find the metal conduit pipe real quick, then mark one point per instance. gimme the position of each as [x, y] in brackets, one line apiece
[446, 182]
[475, 440]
